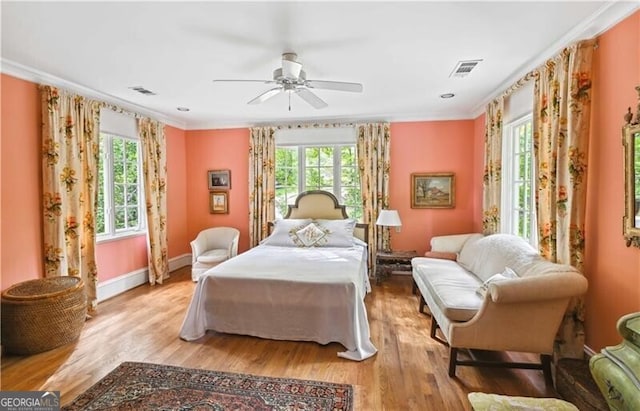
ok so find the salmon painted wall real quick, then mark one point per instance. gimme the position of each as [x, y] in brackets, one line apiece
[21, 232]
[21, 229]
[431, 146]
[123, 256]
[613, 270]
[214, 150]
[177, 217]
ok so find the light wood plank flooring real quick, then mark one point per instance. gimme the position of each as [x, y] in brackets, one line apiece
[408, 373]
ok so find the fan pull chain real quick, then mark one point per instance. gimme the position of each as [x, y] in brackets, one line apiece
[289, 101]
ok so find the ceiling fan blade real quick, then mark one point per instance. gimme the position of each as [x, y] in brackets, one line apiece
[265, 96]
[309, 97]
[245, 81]
[334, 85]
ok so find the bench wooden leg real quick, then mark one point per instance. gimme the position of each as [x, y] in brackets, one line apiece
[453, 359]
[434, 327]
[545, 361]
[423, 303]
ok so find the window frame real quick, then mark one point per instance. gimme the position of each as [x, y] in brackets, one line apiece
[336, 166]
[509, 192]
[111, 233]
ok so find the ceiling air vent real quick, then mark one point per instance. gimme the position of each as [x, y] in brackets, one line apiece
[463, 68]
[143, 90]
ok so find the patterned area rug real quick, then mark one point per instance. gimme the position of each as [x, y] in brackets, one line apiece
[141, 386]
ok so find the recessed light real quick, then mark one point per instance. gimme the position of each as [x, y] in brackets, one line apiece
[447, 95]
[183, 109]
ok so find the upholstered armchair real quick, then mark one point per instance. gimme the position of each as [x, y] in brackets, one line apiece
[211, 247]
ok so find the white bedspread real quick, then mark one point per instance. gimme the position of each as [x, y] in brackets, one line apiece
[287, 293]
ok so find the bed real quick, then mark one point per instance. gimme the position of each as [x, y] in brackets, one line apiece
[306, 282]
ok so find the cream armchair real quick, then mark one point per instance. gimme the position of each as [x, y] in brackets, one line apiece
[211, 247]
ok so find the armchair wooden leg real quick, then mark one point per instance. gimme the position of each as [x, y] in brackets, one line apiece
[453, 358]
[545, 361]
[423, 303]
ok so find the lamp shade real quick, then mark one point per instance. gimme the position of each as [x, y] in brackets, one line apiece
[389, 218]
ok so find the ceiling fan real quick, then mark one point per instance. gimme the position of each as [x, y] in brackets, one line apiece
[292, 79]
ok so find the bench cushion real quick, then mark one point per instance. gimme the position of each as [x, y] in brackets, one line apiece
[452, 287]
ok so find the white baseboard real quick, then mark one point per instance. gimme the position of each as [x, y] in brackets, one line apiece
[126, 282]
[179, 261]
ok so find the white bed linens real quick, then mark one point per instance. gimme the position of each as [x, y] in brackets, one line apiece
[287, 293]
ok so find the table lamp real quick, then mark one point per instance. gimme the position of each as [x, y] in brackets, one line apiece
[389, 218]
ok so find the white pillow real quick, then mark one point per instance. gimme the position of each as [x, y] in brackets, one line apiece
[339, 233]
[310, 235]
[470, 252]
[507, 274]
[284, 232]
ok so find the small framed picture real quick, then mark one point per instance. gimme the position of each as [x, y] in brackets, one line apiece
[219, 202]
[433, 190]
[219, 179]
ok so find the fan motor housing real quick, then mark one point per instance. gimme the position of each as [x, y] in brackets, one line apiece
[279, 77]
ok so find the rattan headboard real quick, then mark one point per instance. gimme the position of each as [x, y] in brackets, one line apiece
[323, 205]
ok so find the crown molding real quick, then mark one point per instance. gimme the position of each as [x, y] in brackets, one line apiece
[381, 118]
[600, 21]
[36, 76]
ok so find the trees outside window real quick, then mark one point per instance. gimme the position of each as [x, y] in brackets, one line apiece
[518, 183]
[332, 168]
[119, 209]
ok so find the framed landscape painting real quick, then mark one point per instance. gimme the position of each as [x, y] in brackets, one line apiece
[433, 190]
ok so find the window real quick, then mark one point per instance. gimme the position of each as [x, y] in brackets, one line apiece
[119, 210]
[332, 168]
[518, 195]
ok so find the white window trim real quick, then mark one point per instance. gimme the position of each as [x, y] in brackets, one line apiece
[337, 164]
[507, 223]
[112, 233]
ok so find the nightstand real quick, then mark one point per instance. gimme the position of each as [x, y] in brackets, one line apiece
[388, 262]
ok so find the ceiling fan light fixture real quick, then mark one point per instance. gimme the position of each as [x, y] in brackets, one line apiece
[291, 78]
[291, 69]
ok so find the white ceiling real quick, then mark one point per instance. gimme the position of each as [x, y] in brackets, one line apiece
[403, 53]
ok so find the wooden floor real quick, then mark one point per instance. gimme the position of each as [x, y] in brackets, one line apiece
[408, 373]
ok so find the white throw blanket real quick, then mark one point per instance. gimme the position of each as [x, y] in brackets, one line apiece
[287, 293]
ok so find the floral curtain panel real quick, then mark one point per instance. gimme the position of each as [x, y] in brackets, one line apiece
[492, 181]
[262, 182]
[374, 160]
[70, 150]
[154, 166]
[561, 122]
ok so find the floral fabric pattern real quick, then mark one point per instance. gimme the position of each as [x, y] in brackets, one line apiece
[561, 124]
[492, 178]
[262, 183]
[154, 170]
[70, 150]
[374, 162]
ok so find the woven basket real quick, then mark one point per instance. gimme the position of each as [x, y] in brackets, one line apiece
[43, 314]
